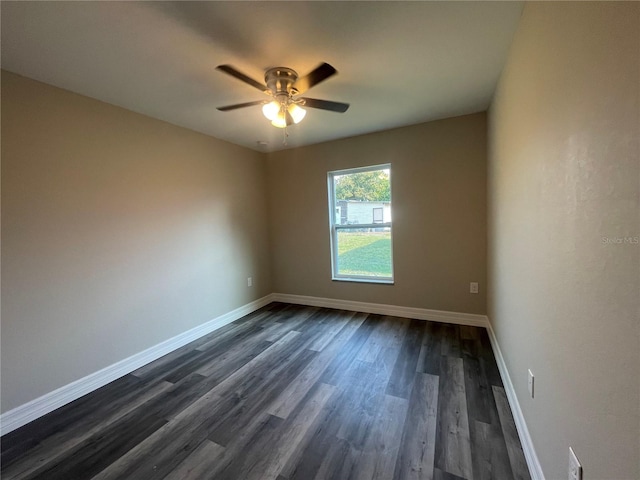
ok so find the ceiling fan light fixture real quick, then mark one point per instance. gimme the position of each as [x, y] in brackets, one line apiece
[279, 122]
[283, 85]
[297, 113]
[277, 113]
[271, 110]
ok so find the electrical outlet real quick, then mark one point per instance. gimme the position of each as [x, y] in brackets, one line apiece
[530, 383]
[473, 287]
[249, 281]
[575, 469]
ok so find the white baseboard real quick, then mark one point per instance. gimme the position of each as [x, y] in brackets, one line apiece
[40, 406]
[535, 469]
[382, 309]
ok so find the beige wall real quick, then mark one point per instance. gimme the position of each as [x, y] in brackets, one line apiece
[564, 174]
[118, 232]
[439, 212]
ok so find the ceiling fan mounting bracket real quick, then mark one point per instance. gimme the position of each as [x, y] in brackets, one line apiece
[280, 81]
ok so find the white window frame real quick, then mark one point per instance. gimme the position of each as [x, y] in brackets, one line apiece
[334, 227]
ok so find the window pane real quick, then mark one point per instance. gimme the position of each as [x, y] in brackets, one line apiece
[364, 253]
[362, 197]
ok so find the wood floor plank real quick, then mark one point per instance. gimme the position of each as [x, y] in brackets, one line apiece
[255, 400]
[183, 366]
[477, 389]
[239, 348]
[166, 448]
[489, 452]
[389, 332]
[416, 457]
[251, 389]
[172, 401]
[207, 342]
[101, 449]
[290, 393]
[305, 461]
[13, 451]
[334, 324]
[255, 453]
[298, 388]
[314, 328]
[340, 462]
[440, 475]
[377, 459]
[232, 334]
[514, 448]
[199, 464]
[52, 449]
[360, 402]
[260, 426]
[240, 330]
[86, 409]
[431, 349]
[450, 340]
[261, 435]
[236, 357]
[378, 338]
[326, 455]
[148, 370]
[254, 364]
[470, 333]
[299, 427]
[345, 357]
[488, 446]
[298, 322]
[266, 458]
[453, 443]
[295, 315]
[406, 363]
[488, 361]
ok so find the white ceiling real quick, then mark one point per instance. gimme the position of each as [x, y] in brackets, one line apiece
[399, 63]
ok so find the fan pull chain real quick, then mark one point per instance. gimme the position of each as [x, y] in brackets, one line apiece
[284, 136]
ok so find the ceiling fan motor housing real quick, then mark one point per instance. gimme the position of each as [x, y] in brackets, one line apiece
[280, 80]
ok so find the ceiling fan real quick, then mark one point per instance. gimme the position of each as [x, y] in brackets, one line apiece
[283, 85]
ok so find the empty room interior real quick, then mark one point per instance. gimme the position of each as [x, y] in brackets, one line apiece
[320, 240]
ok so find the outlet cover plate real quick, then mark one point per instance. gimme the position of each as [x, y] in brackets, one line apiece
[575, 469]
[530, 383]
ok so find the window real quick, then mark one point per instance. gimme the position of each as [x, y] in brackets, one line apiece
[378, 215]
[360, 223]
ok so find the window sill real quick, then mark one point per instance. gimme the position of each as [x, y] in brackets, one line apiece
[363, 280]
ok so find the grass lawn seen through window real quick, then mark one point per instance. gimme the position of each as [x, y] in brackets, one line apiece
[364, 253]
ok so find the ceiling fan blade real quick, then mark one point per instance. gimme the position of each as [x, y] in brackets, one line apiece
[321, 73]
[229, 70]
[240, 105]
[325, 105]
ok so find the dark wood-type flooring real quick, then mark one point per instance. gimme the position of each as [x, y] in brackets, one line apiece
[290, 393]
